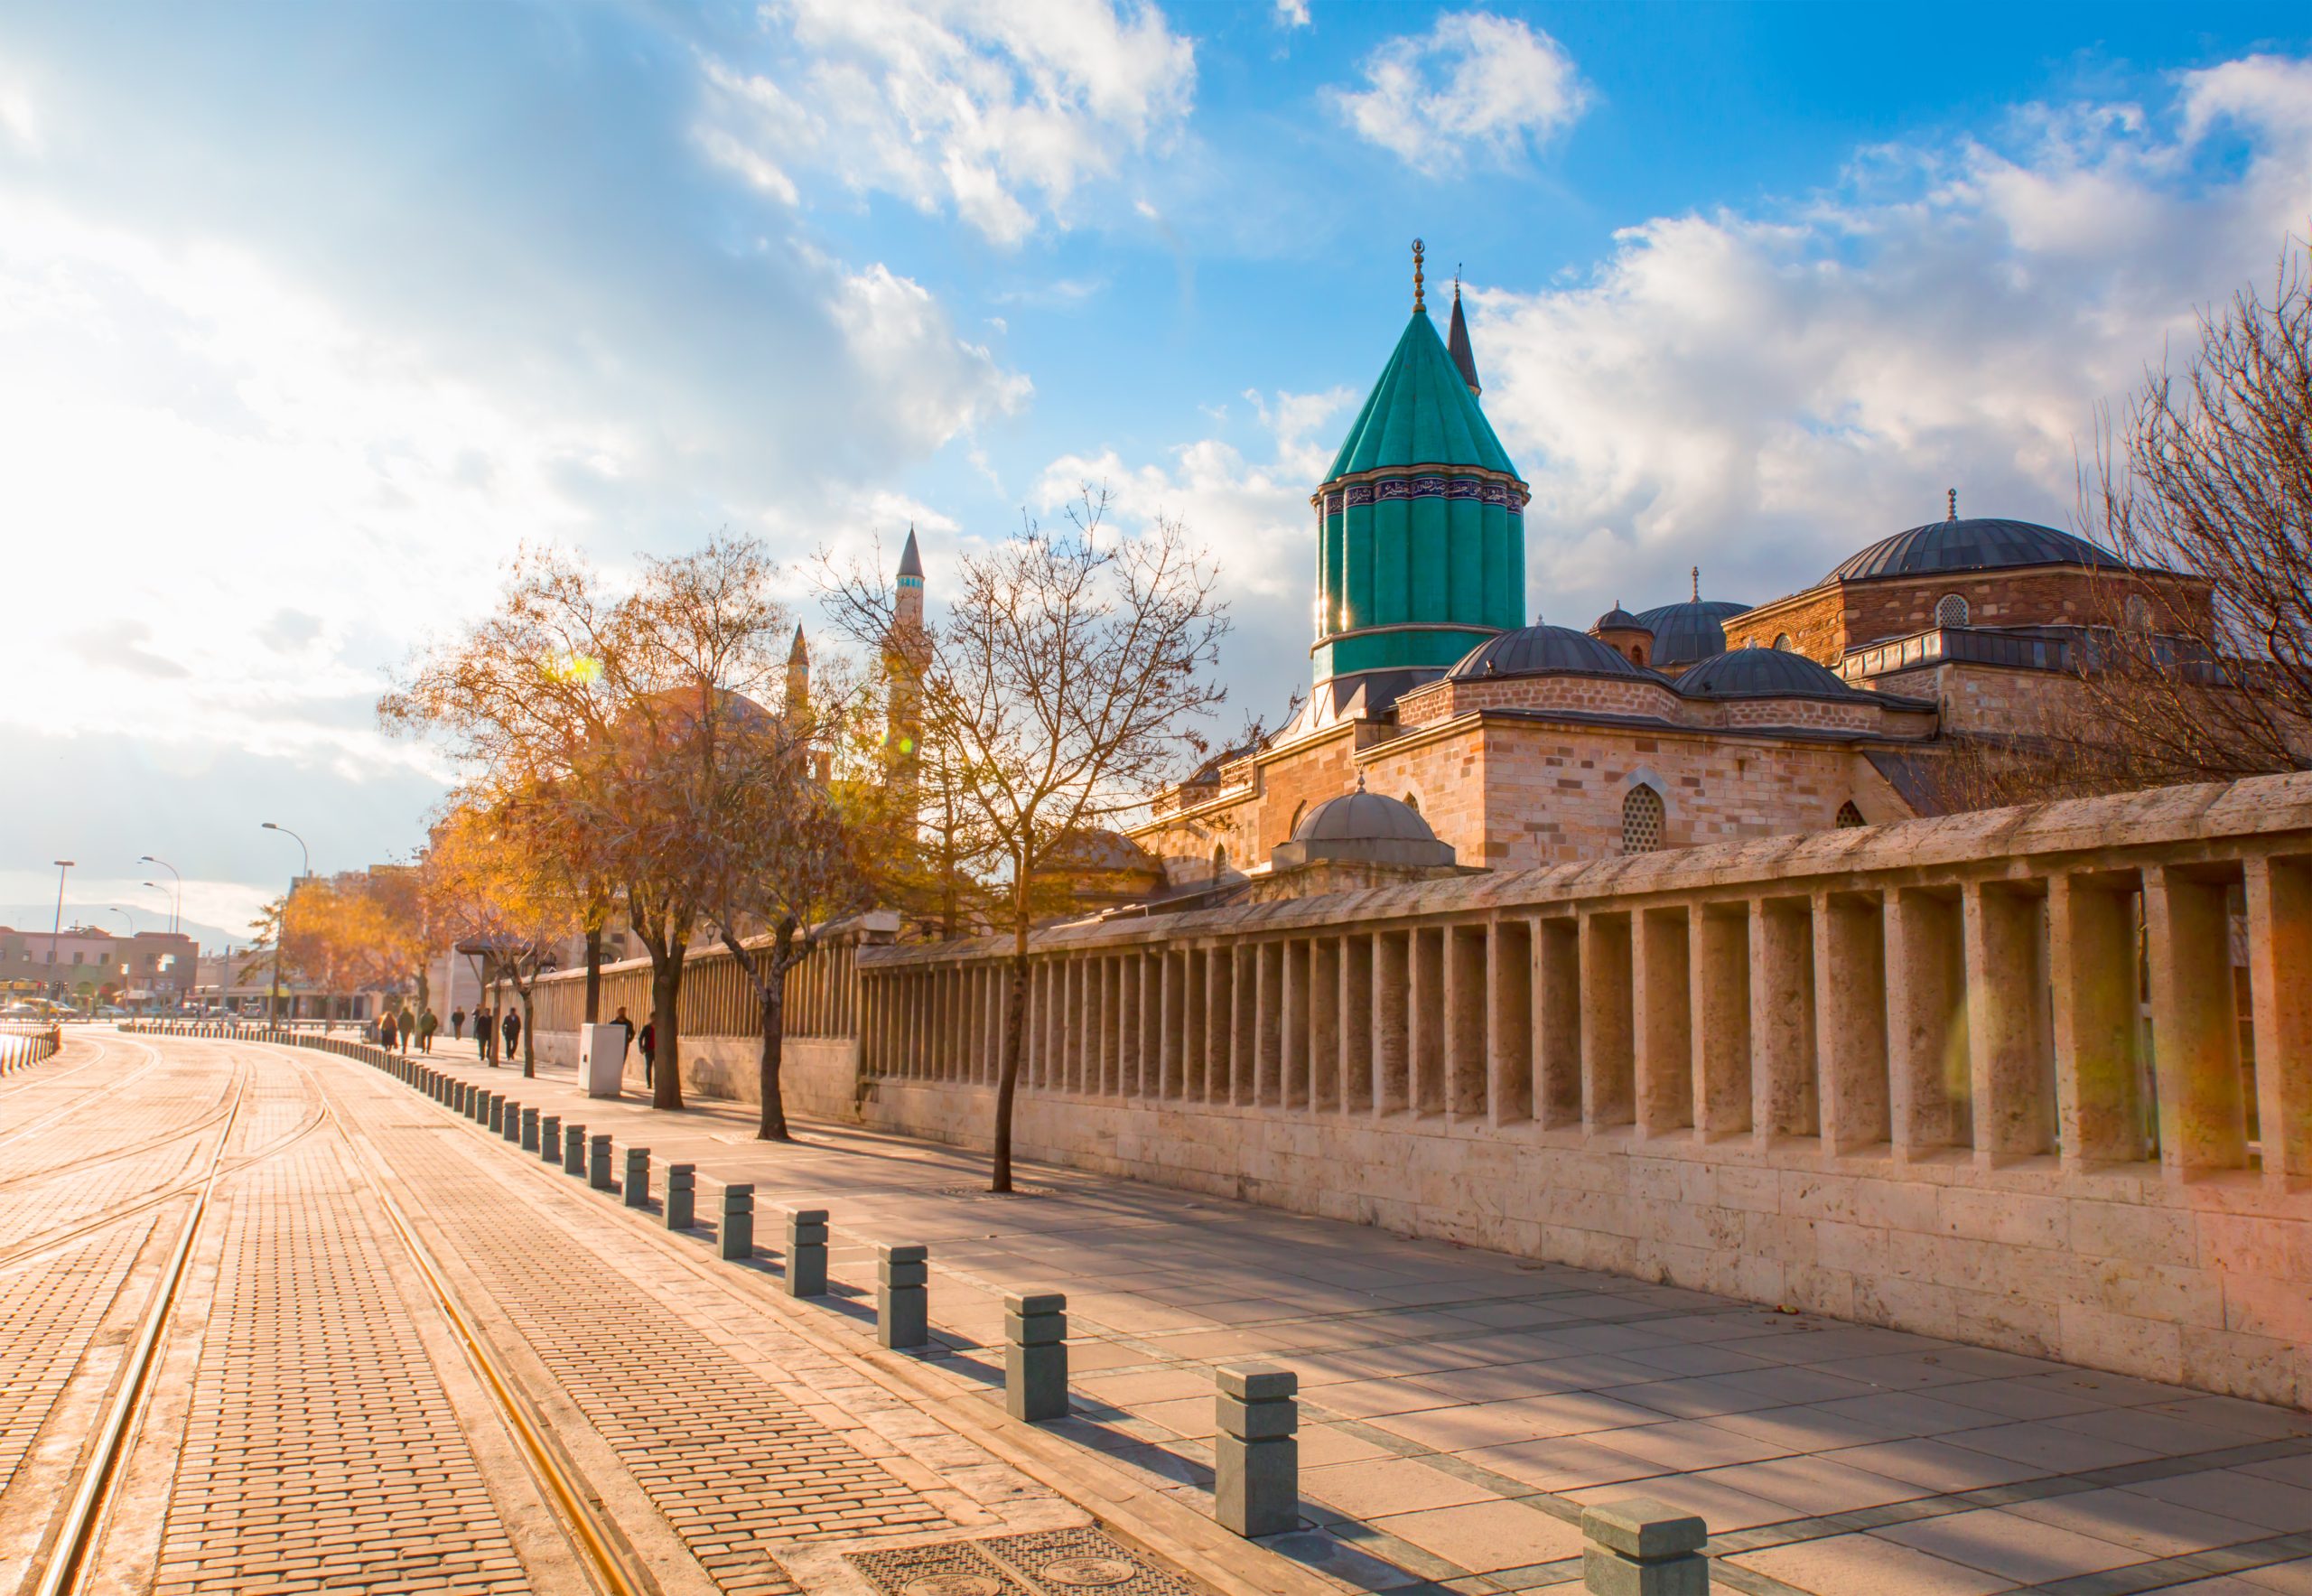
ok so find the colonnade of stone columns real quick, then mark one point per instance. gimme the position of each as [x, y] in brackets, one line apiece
[718, 998]
[2156, 1007]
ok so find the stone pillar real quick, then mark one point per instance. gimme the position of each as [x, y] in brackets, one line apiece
[1256, 1462]
[636, 1189]
[902, 1298]
[1639, 1547]
[1509, 1019]
[1557, 1022]
[1152, 1023]
[1718, 943]
[1268, 1058]
[1293, 1052]
[1324, 1022]
[2092, 979]
[598, 1163]
[1356, 1023]
[1243, 1023]
[2009, 1041]
[1035, 1356]
[1662, 1015]
[1466, 1010]
[2279, 988]
[682, 1194]
[1928, 1072]
[1851, 1020]
[1782, 1021]
[2194, 1028]
[1425, 1021]
[1391, 1021]
[1107, 988]
[736, 1237]
[1609, 1086]
[807, 1253]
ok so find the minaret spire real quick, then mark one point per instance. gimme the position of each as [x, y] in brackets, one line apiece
[1951, 498]
[1420, 305]
[1457, 342]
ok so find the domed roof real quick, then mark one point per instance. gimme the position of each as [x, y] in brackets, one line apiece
[1618, 620]
[1420, 413]
[1532, 650]
[1762, 673]
[1363, 817]
[1694, 628]
[1977, 543]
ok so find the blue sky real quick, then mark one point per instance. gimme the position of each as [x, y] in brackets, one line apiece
[310, 315]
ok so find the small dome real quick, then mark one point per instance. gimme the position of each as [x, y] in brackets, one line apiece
[1363, 817]
[1972, 544]
[1763, 673]
[1537, 650]
[1694, 628]
[1619, 619]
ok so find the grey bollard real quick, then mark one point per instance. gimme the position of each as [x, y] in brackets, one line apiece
[598, 1163]
[682, 1190]
[1256, 1462]
[529, 1130]
[902, 1300]
[807, 1253]
[1638, 1546]
[738, 1233]
[550, 1138]
[573, 1150]
[514, 1121]
[637, 1178]
[1035, 1356]
[497, 1113]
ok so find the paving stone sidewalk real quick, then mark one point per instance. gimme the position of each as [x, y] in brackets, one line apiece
[1461, 1407]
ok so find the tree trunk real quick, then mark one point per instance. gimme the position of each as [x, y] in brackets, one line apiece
[593, 975]
[666, 992]
[773, 1125]
[1007, 1081]
[529, 1040]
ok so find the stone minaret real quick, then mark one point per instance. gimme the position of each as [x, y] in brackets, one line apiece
[799, 680]
[903, 660]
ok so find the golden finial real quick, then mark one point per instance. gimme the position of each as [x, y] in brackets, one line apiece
[1697, 585]
[1950, 497]
[1419, 303]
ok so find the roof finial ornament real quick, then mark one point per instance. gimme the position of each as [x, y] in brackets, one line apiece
[1696, 575]
[1951, 498]
[1360, 781]
[1419, 304]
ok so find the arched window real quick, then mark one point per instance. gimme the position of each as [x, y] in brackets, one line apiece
[1641, 820]
[2137, 612]
[1848, 815]
[1219, 860]
[1637, 654]
[1951, 610]
[1412, 802]
[1782, 641]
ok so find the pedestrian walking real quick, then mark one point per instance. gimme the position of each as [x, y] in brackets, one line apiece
[485, 1036]
[427, 1024]
[625, 1044]
[458, 1023]
[649, 1048]
[386, 1031]
[510, 1027]
[407, 1025]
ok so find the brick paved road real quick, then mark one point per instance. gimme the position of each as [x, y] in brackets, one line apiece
[314, 1424]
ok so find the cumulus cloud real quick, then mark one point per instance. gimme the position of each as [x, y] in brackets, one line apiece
[1293, 13]
[1474, 83]
[998, 112]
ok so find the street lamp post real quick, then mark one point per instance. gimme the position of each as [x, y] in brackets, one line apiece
[176, 900]
[280, 932]
[55, 981]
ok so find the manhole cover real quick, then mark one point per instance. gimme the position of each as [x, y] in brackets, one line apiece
[1087, 1571]
[953, 1584]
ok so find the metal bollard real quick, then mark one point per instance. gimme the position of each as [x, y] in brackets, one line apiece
[1256, 1462]
[638, 1177]
[1638, 1546]
[807, 1253]
[902, 1300]
[1035, 1356]
[529, 1130]
[550, 1138]
[573, 1150]
[682, 1189]
[598, 1163]
[738, 1222]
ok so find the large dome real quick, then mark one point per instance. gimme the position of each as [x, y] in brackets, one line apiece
[1762, 673]
[1692, 629]
[1534, 650]
[1972, 544]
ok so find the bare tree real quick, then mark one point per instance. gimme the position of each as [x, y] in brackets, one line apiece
[1063, 683]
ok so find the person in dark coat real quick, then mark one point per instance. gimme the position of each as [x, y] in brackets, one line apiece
[457, 1024]
[649, 1048]
[627, 1025]
[386, 1031]
[511, 1028]
[485, 1036]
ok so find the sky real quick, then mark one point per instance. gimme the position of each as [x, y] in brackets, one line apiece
[310, 316]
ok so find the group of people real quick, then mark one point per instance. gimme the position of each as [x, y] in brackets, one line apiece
[398, 1028]
[489, 1030]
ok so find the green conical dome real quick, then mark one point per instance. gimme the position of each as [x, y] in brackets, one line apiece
[1420, 413]
[1421, 529]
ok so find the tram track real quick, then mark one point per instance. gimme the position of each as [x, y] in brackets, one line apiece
[15, 1134]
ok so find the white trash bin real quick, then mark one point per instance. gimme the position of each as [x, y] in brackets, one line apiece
[601, 1058]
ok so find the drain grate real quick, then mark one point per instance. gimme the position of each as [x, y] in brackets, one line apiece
[983, 1193]
[1046, 1563]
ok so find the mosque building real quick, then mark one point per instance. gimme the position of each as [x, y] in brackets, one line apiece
[1699, 721]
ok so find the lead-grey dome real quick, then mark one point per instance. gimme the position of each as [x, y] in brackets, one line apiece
[1690, 629]
[1763, 673]
[1536, 650]
[1618, 620]
[1977, 543]
[1366, 829]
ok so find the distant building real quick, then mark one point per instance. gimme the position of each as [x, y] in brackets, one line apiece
[87, 964]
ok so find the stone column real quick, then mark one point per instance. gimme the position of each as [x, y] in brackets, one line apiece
[2280, 987]
[1425, 1020]
[2195, 1027]
[1293, 1052]
[1391, 1021]
[1662, 1010]
[1557, 1022]
[1509, 1019]
[1324, 1022]
[2092, 979]
[1717, 942]
[1356, 1023]
[1609, 1086]
[1851, 1020]
[1268, 1057]
[2009, 1041]
[1466, 1011]
[1928, 1072]
[1172, 1041]
[1243, 1023]
[1151, 1023]
[1782, 1021]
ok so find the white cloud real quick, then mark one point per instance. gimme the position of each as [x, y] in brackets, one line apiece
[936, 384]
[1475, 82]
[1293, 13]
[998, 111]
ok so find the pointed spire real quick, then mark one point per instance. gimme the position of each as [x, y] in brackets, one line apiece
[1457, 342]
[911, 562]
[800, 654]
[1420, 305]
[1696, 575]
[1950, 497]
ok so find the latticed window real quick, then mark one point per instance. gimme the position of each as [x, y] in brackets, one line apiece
[1849, 816]
[1951, 610]
[1641, 820]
